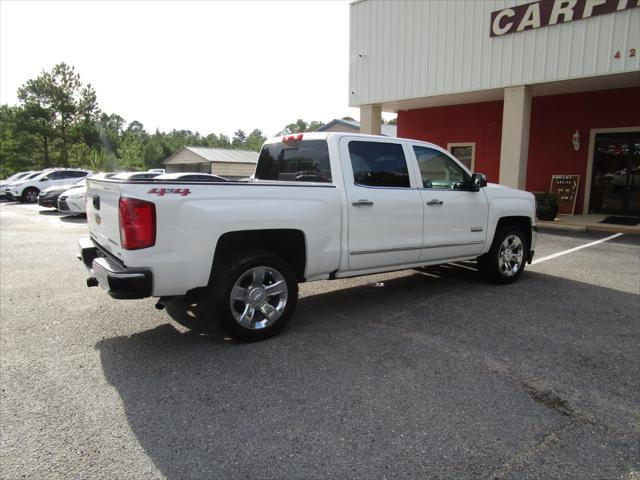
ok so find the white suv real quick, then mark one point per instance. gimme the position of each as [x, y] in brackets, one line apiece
[29, 190]
[18, 177]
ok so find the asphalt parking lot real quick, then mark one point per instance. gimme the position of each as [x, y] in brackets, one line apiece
[430, 374]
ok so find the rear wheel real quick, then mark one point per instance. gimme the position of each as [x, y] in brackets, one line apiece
[505, 261]
[254, 295]
[30, 195]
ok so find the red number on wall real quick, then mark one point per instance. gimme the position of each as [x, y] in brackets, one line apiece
[617, 54]
[632, 53]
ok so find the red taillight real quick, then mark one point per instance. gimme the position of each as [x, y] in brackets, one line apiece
[137, 223]
[292, 138]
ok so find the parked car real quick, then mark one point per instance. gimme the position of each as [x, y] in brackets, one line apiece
[73, 200]
[13, 178]
[28, 190]
[5, 188]
[49, 196]
[134, 175]
[192, 177]
[323, 206]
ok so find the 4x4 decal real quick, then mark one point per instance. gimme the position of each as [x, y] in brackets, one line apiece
[170, 191]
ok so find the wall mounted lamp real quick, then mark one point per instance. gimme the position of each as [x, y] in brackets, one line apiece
[575, 139]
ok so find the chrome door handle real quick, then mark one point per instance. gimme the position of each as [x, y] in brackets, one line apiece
[362, 203]
[434, 202]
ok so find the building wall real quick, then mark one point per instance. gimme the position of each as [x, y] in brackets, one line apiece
[183, 156]
[554, 119]
[233, 169]
[412, 49]
[474, 122]
[204, 167]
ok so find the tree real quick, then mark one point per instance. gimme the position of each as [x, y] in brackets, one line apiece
[132, 152]
[239, 138]
[300, 126]
[36, 115]
[314, 125]
[58, 102]
[254, 140]
[18, 147]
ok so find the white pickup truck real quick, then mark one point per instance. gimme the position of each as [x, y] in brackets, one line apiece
[322, 206]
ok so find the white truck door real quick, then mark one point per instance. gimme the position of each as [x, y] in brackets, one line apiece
[384, 206]
[455, 219]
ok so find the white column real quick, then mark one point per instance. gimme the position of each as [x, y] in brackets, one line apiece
[370, 119]
[514, 148]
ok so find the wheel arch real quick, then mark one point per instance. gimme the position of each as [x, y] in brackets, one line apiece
[520, 221]
[290, 244]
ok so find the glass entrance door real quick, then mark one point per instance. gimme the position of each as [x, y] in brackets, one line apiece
[615, 181]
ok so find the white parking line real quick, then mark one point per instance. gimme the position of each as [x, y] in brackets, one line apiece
[575, 249]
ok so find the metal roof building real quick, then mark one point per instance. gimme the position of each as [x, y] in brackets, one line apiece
[219, 161]
[525, 91]
[353, 126]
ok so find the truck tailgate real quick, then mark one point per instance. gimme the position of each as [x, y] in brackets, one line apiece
[103, 216]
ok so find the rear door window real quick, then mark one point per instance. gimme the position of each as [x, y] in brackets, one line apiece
[377, 164]
[296, 161]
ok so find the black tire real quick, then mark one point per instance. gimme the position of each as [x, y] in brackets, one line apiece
[490, 265]
[30, 195]
[235, 269]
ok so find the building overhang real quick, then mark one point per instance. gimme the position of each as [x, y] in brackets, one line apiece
[604, 82]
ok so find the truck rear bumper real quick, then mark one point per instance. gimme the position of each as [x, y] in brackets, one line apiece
[119, 281]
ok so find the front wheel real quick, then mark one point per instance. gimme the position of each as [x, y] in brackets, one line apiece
[30, 195]
[505, 261]
[254, 295]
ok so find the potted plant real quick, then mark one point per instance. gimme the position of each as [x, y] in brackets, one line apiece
[546, 206]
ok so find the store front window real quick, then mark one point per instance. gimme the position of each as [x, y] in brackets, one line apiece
[615, 184]
[465, 152]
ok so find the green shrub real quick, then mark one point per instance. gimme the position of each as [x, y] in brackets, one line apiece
[547, 199]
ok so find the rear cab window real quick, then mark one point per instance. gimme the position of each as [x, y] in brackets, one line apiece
[295, 161]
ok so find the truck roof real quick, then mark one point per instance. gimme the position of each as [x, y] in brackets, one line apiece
[326, 135]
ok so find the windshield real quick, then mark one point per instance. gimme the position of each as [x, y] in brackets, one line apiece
[298, 161]
[16, 176]
[33, 175]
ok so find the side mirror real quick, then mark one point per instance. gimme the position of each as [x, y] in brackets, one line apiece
[44, 179]
[478, 180]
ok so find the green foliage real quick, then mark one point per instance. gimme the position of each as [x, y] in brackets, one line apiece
[300, 126]
[56, 105]
[58, 123]
[19, 149]
[254, 141]
[547, 199]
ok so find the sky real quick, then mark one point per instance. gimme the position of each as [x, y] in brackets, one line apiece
[206, 66]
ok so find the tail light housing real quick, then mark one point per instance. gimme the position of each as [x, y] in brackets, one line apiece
[288, 139]
[137, 223]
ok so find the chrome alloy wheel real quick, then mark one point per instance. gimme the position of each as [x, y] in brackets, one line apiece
[259, 297]
[511, 256]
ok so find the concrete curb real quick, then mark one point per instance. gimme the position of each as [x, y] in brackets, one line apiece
[587, 227]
